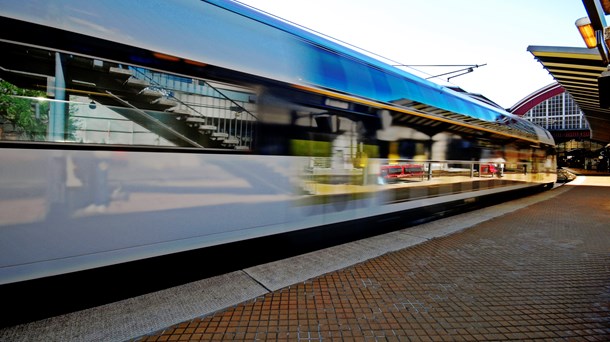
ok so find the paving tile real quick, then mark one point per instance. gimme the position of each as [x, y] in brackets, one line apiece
[538, 273]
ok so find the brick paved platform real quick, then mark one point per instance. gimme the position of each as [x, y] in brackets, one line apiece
[542, 272]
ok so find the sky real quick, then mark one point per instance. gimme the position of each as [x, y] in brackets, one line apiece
[448, 32]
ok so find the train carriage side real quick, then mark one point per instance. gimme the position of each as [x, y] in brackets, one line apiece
[124, 145]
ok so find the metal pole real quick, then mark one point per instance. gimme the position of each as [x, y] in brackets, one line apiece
[57, 117]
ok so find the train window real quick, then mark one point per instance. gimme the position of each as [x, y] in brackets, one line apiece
[334, 71]
[359, 78]
[399, 88]
[482, 113]
[380, 82]
[330, 72]
[53, 97]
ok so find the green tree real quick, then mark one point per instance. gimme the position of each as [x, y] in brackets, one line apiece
[16, 109]
[25, 113]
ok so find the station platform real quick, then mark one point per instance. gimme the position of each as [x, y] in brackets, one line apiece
[587, 172]
[536, 268]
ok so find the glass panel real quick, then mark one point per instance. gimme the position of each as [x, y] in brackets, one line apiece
[329, 70]
[89, 101]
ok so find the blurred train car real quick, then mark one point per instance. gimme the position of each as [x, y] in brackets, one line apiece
[135, 129]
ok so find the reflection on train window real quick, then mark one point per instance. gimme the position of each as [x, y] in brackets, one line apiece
[330, 70]
[53, 97]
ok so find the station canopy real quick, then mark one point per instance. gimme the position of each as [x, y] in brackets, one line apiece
[577, 70]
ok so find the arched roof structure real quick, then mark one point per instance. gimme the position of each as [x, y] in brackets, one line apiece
[536, 98]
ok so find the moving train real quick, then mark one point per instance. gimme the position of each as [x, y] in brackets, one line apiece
[137, 129]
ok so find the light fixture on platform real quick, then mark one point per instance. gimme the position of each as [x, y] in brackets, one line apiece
[587, 32]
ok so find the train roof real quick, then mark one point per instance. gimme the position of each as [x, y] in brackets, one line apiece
[316, 39]
[346, 51]
[429, 92]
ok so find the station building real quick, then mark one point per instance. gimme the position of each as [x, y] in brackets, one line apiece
[553, 108]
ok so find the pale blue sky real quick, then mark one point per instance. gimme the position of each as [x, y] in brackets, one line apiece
[496, 32]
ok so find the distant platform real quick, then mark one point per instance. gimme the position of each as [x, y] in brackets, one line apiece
[585, 172]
